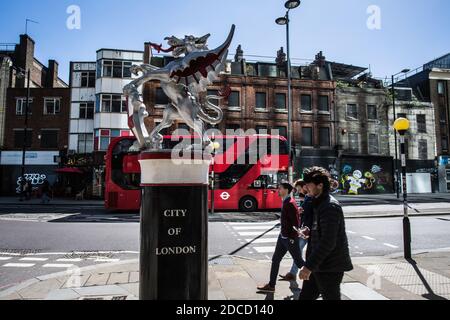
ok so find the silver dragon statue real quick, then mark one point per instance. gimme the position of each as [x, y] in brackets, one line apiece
[183, 80]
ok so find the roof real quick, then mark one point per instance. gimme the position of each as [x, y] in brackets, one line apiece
[345, 71]
[441, 62]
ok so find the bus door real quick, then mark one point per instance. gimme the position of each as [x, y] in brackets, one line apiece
[266, 192]
[272, 199]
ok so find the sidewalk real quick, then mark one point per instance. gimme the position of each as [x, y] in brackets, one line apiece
[236, 278]
[54, 202]
[372, 210]
[350, 212]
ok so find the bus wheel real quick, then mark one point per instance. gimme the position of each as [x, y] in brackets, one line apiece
[248, 204]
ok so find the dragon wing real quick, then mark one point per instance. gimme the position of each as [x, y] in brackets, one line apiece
[202, 67]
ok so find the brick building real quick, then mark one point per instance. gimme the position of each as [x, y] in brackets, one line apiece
[258, 101]
[48, 119]
[364, 162]
[431, 83]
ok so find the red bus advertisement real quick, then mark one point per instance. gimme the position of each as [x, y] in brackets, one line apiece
[247, 171]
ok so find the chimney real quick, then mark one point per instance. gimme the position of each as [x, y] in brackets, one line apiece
[24, 53]
[147, 53]
[281, 58]
[52, 74]
[239, 56]
[320, 59]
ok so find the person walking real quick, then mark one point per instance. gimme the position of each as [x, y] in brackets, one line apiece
[23, 189]
[46, 192]
[29, 190]
[288, 240]
[327, 256]
[304, 201]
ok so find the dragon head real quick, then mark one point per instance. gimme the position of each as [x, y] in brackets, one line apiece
[187, 45]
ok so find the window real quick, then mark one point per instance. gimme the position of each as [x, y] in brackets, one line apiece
[261, 100]
[160, 97]
[117, 69]
[401, 115]
[407, 148]
[444, 143]
[231, 126]
[107, 68]
[18, 138]
[280, 101]
[114, 103]
[87, 110]
[421, 123]
[184, 126]
[441, 88]
[306, 102]
[352, 112]
[52, 106]
[324, 104]
[282, 131]
[127, 69]
[21, 105]
[213, 93]
[374, 143]
[85, 143]
[106, 135]
[353, 142]
[372, 112]
[307, 137]
[234, 100]
[261, 130]
[324, 137]
[88, 79]
[49, 139]
[423, 150]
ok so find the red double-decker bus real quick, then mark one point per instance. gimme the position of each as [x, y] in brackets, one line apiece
[247, 171]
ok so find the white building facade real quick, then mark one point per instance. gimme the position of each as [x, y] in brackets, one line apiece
[98, 108]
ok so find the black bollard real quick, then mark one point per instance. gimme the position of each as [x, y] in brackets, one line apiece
[174, 227]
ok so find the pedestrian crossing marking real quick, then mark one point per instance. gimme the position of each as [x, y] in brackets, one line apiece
[69, 260]
[253, 228]
[265, 249]
[19, 265]
[34, 259]
[262, 240]
[56, 265]
[252, 233]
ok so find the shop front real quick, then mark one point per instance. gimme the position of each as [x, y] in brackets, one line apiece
[39, 166]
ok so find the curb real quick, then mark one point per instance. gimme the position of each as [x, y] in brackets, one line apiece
[35, 280]
[399, 215]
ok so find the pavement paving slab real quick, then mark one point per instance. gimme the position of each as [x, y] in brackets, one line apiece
[376, 278]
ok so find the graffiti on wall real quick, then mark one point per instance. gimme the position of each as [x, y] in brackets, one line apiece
[36, 180]
[354, 180]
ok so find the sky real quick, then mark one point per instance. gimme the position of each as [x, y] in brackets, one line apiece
[387, 35]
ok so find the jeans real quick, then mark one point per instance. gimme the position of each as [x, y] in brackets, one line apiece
[302, 244]
[45, 198]
[322, 283]
[284, 246]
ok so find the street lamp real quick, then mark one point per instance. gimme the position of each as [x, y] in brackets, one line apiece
[289, 5]
[216, 146]
[397, 172]
[401, 126]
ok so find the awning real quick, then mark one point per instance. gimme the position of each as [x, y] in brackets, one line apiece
[69, 170]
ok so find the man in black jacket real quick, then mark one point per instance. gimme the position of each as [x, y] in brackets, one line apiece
[288, 241]
[327, 256]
